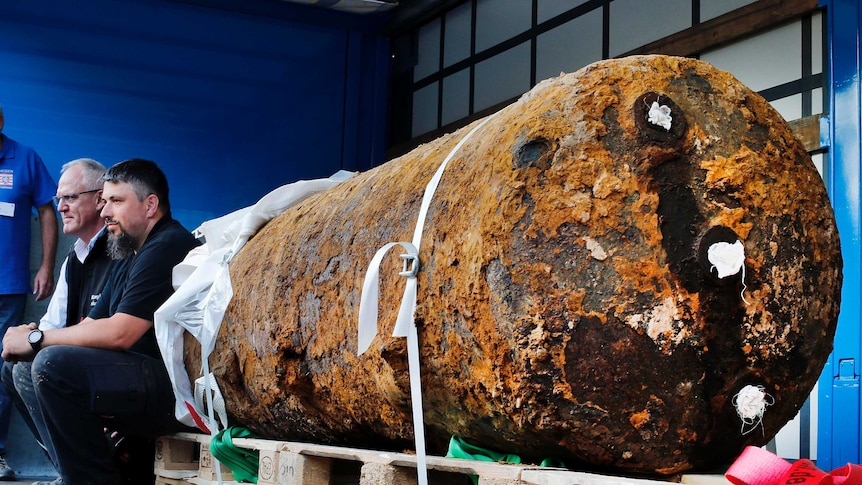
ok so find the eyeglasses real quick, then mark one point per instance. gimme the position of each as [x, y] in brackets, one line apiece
[69, 198]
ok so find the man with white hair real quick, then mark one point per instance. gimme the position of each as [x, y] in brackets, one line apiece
[82, 275]
[107, 372]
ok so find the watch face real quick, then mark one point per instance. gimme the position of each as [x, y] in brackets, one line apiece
[34, 337]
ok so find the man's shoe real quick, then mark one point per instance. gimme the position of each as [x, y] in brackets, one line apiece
[56, 481]
[6, 473]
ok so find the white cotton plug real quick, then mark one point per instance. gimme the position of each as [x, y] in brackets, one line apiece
[727, 259]
[750, 403]
[660, 115]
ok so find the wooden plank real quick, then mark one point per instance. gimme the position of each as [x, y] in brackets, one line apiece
[293, 463]
[378, 473]
[705, 479]
[807, 130]
[169, 481]
[449, 465]
[732, 26]
[552, 477]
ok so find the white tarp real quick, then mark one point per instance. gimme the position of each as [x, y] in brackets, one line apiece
[203, 290]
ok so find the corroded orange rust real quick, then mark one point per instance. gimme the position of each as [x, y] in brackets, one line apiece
[565, 308]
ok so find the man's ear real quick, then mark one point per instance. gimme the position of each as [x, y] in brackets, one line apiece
[100, 202]
[152, 205]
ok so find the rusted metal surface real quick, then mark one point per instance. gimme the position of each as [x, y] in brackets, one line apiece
[566, 304]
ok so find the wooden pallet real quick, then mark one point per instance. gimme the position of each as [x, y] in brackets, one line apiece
[184, 458]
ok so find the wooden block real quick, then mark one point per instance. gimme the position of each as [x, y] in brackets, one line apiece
[498, 481]
[169, 481]
[380, 474]
[297, 469]
[207, 470]
[174, 454]
[704, 479]
[267, 469]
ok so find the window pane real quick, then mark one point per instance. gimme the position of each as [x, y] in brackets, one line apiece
[764, 61]
[816, 101]
[817, 43]
[789, 107]
[710, 9]
[817, 158]
[499, 20]
[502, 77]
[429, 50]
[456, 96]
[425, 110]
[570, 46]
[457, 43]
[638, 22]
[549, 9]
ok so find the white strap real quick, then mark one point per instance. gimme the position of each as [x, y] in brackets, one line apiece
[371, 291]
[405, 325]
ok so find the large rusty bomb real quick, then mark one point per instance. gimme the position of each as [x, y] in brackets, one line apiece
[569, 303]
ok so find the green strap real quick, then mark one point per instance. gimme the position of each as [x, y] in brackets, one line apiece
[242, 462]
[458, 448]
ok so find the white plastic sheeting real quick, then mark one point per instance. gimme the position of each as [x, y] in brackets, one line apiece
[203, 292]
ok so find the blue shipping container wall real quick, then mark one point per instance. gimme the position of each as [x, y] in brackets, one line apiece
[231, 104]
[838, 438]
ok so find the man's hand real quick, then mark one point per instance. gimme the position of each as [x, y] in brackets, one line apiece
[15, 345]
[43, 284]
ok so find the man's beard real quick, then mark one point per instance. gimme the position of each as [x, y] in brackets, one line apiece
[120, 246]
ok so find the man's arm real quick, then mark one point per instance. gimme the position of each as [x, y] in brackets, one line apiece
[118, 332]
[43, 284]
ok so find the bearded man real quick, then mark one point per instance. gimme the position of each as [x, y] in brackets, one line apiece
[107, 371]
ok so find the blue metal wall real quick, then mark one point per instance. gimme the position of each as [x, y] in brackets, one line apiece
[230, 103]
[839, 414]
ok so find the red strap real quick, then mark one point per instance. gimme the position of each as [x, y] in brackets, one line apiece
[803, 472]
[847, 475]
[197, 419]
[756, 466]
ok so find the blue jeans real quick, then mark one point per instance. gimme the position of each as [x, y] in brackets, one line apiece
[19, 385]
[11, 314]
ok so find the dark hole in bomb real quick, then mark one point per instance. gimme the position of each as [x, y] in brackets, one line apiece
[655, 133]
[532, 153]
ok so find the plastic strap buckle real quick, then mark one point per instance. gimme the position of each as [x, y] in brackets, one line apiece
[411, 265]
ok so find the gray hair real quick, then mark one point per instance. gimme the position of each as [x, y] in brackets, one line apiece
[91, 172]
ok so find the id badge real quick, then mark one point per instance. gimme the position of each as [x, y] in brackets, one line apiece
[7, 209]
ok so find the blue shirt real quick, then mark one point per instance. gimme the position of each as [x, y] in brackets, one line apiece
[24, 184]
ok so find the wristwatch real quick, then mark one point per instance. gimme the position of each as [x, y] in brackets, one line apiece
[35, 338]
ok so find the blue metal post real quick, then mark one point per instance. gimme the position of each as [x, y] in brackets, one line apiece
[838, 438]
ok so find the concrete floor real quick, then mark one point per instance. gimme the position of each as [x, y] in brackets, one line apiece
[24, 455]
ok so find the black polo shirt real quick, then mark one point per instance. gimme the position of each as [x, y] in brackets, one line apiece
[140, 284]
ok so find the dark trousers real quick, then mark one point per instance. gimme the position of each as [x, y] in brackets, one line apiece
[11, 314]
[81, 391]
